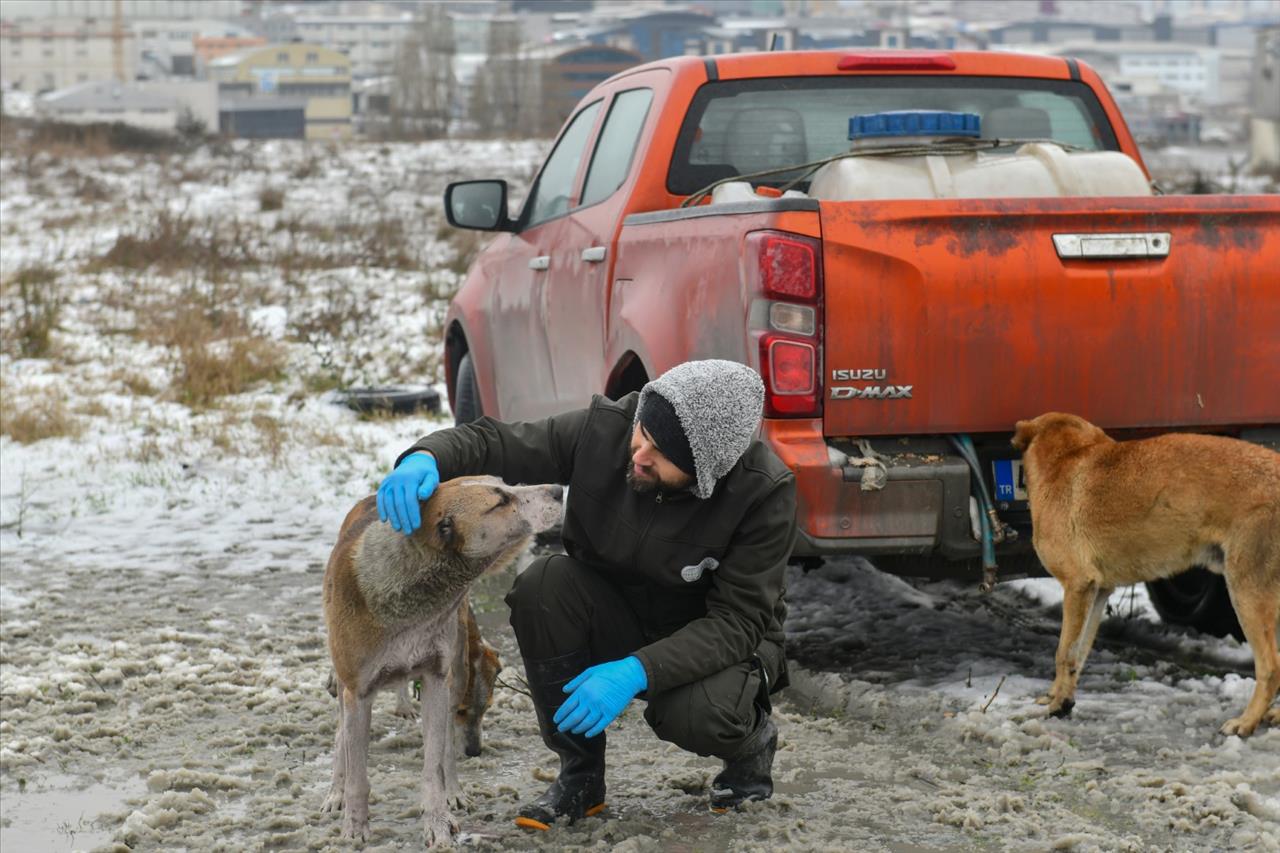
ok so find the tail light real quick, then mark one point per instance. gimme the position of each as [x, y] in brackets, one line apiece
[783, 274]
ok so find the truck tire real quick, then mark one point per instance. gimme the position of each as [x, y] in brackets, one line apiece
[396, 399]
[467, 397]
[1198, 599]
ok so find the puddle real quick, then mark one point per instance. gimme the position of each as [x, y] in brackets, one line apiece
[62, 818]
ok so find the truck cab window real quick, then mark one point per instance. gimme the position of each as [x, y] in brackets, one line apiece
[550, 197]
[612, 158]
[737, 127]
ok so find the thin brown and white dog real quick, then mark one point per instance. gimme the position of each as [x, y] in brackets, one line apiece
[476, 665]
[1108, 514]
[391, 605]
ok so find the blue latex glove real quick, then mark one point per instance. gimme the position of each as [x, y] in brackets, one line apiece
[598, 695]
[413, 480]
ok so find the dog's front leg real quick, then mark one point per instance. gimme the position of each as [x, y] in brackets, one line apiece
[1082, 604]
[1258, 610]
[438, 824]
[333, 802]
[355, 729]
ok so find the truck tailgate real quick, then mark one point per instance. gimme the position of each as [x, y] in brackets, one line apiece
[960, 316]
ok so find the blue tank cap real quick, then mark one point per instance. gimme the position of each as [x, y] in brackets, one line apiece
[914, 123]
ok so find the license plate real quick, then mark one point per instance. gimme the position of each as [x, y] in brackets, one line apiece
[1010, 484]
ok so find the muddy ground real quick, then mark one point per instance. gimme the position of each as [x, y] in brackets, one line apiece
[169, 711]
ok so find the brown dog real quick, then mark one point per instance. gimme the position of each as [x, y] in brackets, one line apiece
[1108, 514]
[391, 606]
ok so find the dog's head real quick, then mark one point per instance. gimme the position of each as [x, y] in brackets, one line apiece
[1057, 430]
[483, 520]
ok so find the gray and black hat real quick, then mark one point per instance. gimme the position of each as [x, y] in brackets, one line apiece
[703, 416]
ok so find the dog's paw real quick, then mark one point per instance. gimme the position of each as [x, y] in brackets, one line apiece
[1061, 707]
[1272, 717]
[333, 802]
[355, 828]
[407, 711]
[457, 800]
[1239, 726]
[438, 830]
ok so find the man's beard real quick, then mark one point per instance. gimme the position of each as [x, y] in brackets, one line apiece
[638, 485]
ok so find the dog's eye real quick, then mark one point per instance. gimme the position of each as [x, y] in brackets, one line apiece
[444, 527]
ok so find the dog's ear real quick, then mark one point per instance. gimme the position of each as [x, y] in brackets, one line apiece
[1023, 433]
[446, 530]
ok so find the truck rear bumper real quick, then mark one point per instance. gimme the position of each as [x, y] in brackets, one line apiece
[921, 510]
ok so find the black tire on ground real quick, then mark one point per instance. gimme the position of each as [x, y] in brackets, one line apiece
[397, 399]
[467, 406]
[1198, 599]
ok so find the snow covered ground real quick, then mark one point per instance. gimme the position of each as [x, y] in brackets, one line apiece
[162, 656]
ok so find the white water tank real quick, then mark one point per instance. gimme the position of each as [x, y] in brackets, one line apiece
[1034, 170]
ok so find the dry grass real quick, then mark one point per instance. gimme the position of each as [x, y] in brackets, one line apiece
[270, 198]
[272, 435]
[173, 242]
[135, 383]
[36, 416]
[466, 244]
[208, 369]
[39, 309]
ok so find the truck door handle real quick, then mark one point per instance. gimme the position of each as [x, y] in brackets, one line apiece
[595, 254]
[541, 262]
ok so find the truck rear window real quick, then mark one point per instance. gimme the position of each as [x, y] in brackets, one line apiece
[736, 127]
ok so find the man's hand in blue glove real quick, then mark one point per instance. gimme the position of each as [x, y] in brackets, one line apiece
[413, 480]
[598, 695]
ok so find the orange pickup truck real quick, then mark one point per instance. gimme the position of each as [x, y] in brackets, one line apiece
[914, 249]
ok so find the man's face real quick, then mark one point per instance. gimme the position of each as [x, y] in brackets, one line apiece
[649, 469]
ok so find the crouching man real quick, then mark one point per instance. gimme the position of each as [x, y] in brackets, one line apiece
[677, 529]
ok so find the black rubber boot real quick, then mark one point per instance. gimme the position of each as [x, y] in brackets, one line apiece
[579, 789]
[749, 775]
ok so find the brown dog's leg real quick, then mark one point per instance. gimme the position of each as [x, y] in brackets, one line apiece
[1255, 595]
[333, 802]
[355, 729]
[1083, 602]
[438, 825]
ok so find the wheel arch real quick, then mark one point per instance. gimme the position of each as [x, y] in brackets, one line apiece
[628, 374]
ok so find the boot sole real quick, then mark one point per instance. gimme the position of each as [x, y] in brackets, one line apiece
[530, 823]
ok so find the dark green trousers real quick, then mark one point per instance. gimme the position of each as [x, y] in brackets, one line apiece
[559, 605]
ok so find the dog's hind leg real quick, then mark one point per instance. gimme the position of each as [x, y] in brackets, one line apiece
[1083, 603]
[1253, 581]
[355, 729]
[438, 824]
[404, 704]
[333, 802]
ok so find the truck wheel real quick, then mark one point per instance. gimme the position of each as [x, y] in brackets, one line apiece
[1197, 598]
[467, 397]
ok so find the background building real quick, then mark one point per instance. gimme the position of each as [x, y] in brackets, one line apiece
[319, 76]
[42, 55]
[155, 106]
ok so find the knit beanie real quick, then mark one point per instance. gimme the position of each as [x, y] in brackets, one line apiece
[717, 406]
[659, 419]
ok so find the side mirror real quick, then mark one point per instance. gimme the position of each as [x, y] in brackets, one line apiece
[479, 205]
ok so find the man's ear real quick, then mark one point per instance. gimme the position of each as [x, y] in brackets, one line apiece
[1023, 433]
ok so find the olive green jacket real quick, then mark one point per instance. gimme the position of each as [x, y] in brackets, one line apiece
[696, 626]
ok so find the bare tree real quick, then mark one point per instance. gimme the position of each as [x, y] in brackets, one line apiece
[424, 87]
[506, 92]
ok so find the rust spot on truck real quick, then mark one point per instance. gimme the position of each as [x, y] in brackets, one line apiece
[980, 236]
[1228, 231]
